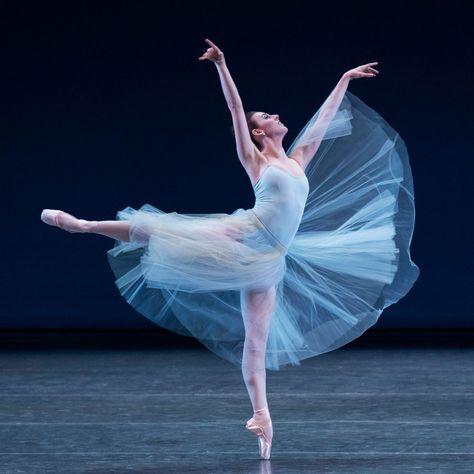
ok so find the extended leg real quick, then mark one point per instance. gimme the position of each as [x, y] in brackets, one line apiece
[119, 230]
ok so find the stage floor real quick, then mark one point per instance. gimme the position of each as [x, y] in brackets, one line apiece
[367, 408]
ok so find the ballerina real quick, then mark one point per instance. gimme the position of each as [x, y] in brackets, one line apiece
[309, 268]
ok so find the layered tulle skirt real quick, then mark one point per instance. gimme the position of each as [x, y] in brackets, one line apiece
[348, 261]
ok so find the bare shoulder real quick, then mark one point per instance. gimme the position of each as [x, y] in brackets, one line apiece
[297, 157]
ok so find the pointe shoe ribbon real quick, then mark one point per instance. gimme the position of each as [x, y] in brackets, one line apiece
[264, 443]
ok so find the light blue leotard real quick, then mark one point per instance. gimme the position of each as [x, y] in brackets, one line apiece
[280, 198]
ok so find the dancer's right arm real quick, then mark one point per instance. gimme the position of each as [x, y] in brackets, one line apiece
[246, 149]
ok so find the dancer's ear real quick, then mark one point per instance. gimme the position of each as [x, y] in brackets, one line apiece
[258, 132]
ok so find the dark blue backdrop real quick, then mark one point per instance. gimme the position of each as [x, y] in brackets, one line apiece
[105, 105]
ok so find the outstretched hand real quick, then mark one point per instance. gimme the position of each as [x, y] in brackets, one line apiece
[213, 53]
[366, 70]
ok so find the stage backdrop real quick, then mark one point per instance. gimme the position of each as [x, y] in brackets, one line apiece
[105, 106]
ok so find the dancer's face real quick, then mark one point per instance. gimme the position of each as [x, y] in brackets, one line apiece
[269, 124]
[266, 121]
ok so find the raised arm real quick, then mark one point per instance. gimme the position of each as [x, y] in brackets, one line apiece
[246, 149]
[305, 153]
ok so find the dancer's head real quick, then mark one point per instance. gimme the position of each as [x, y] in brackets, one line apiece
[263, 126]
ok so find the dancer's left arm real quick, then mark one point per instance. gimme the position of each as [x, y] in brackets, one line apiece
[304, 154]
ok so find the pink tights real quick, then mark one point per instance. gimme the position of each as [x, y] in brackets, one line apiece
[257, 309]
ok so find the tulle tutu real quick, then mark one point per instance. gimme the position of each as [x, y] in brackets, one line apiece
[349, 259]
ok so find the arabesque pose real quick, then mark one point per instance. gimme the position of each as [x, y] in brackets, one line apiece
[308, 269]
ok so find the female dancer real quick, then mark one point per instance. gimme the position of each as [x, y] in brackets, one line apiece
[309, 268]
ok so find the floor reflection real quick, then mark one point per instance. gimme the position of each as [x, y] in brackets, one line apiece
[265, 467]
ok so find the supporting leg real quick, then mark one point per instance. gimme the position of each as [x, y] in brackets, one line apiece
[257, 310]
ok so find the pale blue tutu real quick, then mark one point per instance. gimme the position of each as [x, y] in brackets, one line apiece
[335, 267]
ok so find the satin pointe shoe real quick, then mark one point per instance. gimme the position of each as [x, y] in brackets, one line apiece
[264, 431]
[63, 220]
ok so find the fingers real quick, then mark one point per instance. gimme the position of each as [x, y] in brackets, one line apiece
[368, 65]
[204, 56]
[365, 74]
[213, 46]
[369, 70]
[208, 41]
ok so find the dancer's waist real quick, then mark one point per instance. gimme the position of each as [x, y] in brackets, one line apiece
[272, 239]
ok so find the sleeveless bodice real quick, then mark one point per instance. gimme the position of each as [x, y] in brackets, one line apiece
[280, 198]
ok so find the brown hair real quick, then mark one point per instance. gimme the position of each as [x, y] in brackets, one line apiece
[250, 126]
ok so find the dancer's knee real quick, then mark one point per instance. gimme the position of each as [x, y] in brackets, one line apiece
[258, 302]
[138, 234]
[254, 354]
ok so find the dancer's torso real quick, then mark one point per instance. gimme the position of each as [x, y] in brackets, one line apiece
[280, 198]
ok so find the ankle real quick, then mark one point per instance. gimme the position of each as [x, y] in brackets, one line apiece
[262, 412]
[262, 417]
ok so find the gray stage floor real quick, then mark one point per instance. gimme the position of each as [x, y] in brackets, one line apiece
[360, 409]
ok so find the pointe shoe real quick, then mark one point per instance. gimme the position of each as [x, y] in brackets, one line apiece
[68, 222]
[263, 433]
